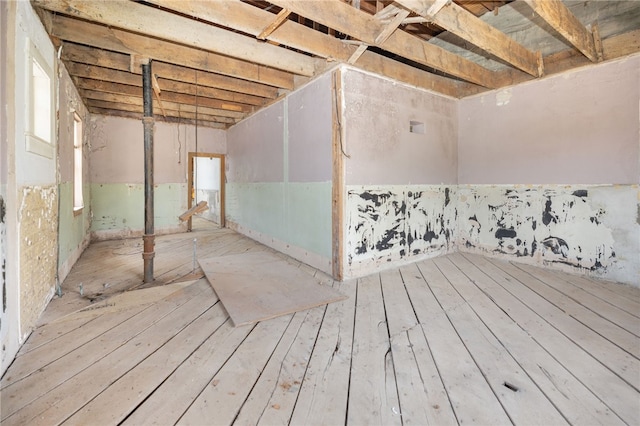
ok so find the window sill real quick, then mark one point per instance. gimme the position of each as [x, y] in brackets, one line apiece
[77, 211]
[38, 146]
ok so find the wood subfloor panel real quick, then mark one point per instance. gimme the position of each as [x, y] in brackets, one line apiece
[453, 340]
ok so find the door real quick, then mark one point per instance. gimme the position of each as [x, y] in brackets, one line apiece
[206, 183]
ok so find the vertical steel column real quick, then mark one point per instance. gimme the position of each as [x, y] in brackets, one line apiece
[148, 238]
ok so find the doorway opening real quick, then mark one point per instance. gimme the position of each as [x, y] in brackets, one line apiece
[206, 183]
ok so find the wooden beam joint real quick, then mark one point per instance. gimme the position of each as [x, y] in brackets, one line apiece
[280, 18]
[136, 62]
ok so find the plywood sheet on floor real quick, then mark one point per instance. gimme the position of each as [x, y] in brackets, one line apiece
[259, 286]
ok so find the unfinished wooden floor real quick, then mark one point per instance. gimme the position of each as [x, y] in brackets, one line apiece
[455, 340]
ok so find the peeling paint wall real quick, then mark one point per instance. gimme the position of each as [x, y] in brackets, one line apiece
[116, 153]
[549, 174]
[4, 246]
[73, 228]
[570, 227]
[279, 174]
[390, 224]
[38, 218]
[401, 180]
[31, 209]
[8, 317]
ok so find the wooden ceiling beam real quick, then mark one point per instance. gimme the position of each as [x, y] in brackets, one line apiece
[118, 61]
[169, 119]
[170, 105]
[458, 21]
[107, 76]
[175, 72]
[211, 92]
[390, 27]
[183, 98]
[560, 18]
[362, 26]
[225, 116]
[110, 109]
[203, 78]
[393, 17]
[280, 18]
[252, 20]
[94, 56]
[134, 104]
[142, 19]
[112, 39]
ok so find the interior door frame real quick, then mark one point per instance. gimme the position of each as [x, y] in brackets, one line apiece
[190, 183]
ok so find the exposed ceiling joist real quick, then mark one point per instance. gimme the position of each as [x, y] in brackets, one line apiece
[252, 20]
[460, 22]
[157, 23]
[218, 115]
[132, 106]
[362, 26]
[390, 27]
[121, 77]
[117, 61]
[169, 119]
[106, 38]
[280, 18]
[183, 98]
[236, 56]
[560, 18]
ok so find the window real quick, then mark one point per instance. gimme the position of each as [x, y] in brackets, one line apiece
[77, 163]
[40, 133]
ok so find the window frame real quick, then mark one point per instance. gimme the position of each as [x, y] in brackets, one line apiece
[34, 143]
[78, 164]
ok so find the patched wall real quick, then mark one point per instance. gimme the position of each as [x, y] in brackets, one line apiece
[74, 226]
[38, 219]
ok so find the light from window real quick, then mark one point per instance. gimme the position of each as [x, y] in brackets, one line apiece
[40, 138]
[41, 84]
[77, 163]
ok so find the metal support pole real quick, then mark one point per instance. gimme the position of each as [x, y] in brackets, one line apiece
[148, 238]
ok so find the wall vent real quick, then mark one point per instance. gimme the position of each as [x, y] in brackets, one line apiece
[416, 127]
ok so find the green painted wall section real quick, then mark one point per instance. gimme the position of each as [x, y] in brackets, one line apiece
[296, 213]
[72, 228]
[120, 206]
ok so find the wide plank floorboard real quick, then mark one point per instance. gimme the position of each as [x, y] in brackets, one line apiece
[457, 339]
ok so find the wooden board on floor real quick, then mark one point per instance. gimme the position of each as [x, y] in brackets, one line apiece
[260, 285]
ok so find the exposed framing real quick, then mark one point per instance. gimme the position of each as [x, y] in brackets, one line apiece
[190, 184]
[337, 188]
